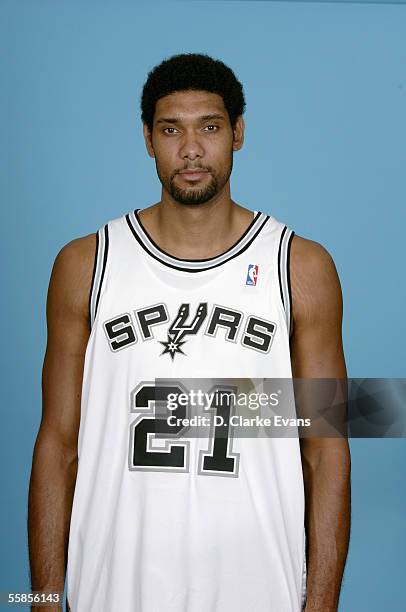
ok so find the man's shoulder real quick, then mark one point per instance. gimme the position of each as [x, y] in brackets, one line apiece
[71, 276]
[310, 257]
[80, 252]
[77, 253]
[314, 280]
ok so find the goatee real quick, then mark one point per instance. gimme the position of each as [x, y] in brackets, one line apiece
[193, 196]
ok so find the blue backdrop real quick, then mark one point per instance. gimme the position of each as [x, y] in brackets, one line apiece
[324, 152]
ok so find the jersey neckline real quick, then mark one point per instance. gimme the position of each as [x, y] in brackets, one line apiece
[194, 265]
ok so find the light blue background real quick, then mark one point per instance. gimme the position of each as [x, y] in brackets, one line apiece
[324, 152]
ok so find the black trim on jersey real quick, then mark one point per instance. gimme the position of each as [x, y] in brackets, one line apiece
[144, 231]
[181, 268]
[106, 248]
[288, 279]
[279, 263]
[93, 277]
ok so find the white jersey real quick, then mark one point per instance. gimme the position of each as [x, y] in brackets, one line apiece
[172, 523]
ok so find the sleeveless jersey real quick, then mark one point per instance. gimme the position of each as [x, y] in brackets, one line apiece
[168, 523]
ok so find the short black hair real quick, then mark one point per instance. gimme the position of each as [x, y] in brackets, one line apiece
[196, 71]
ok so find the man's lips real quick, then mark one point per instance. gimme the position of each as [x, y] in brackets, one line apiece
[193, 174]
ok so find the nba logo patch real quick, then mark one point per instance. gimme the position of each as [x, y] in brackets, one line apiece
[252, 275]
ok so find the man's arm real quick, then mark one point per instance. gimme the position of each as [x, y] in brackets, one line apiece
[54, 465]
[317, 352]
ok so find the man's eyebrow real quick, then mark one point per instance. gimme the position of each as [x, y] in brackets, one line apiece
[211, 117]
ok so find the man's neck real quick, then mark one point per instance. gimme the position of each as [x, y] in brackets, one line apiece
[196, 231]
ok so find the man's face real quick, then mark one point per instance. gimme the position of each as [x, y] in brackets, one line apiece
[192, 142]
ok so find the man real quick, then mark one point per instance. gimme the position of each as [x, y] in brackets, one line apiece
[195, 286]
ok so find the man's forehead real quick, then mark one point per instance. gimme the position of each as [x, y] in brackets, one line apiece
[190, 104]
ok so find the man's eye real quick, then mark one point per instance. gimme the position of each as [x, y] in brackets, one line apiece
[170, 128]
[209, 128]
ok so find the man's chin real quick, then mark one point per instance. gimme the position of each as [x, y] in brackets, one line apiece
[192, 197]
[190, 202]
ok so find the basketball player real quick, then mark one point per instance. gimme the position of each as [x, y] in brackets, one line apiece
[194, 286]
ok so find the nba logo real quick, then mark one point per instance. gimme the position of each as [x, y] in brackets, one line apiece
[252, 275]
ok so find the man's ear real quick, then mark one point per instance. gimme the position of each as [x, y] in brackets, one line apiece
[238, 133]
[148, 140]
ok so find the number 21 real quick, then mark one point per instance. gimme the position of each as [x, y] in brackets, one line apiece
[174, 455]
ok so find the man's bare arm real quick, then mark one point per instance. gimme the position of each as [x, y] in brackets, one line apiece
[54, 465]
[317, 352]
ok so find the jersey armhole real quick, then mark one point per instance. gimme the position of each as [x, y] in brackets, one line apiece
[285, 242]
[99, 270]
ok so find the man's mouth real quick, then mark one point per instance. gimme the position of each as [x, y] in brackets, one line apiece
[193, 174]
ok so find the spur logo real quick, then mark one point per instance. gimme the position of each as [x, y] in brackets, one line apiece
[142, 324]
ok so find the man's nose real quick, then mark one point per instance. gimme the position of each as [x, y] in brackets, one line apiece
[191, 147]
